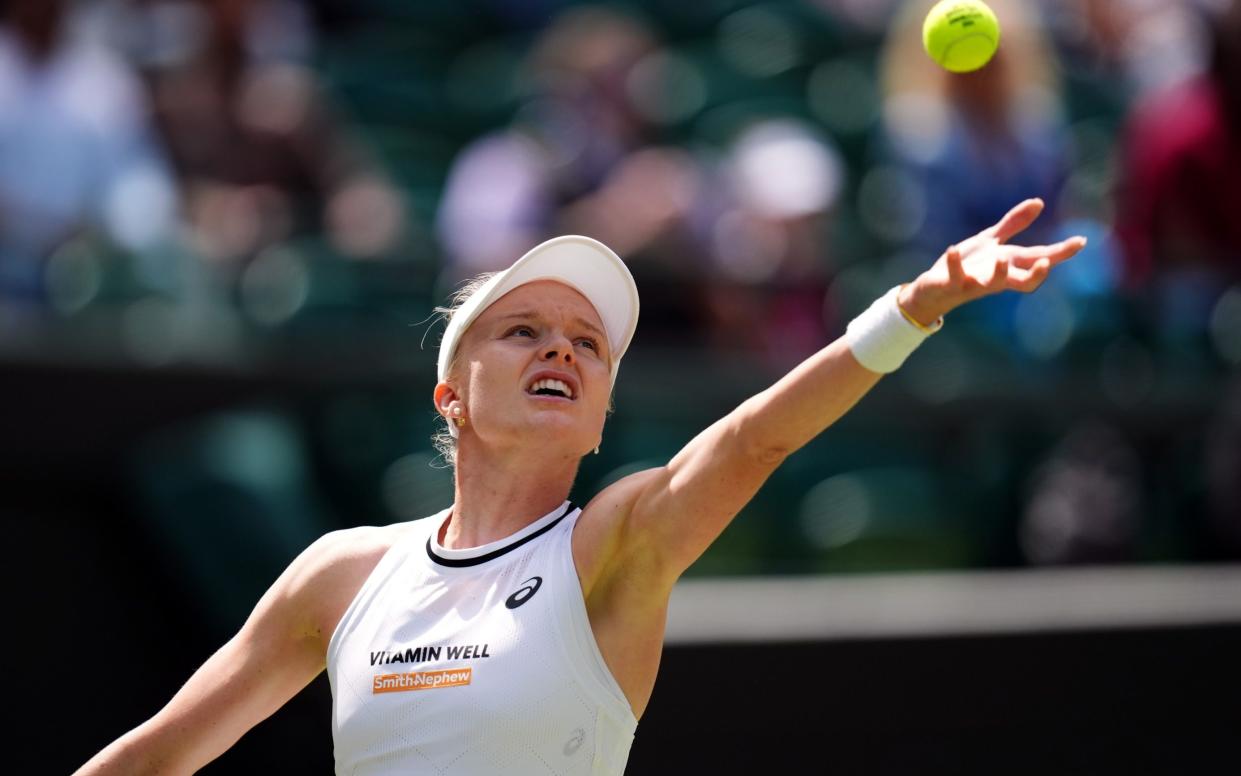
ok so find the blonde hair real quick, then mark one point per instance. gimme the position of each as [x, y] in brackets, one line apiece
[443, 440]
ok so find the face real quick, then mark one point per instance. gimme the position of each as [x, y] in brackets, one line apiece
[534, 367]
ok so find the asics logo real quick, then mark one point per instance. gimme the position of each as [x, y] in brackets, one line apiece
[524, 593]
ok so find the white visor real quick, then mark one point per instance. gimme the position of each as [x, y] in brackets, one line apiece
[582, 263]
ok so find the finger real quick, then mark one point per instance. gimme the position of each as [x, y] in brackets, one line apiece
[1000, 278]
[1027, 280]
[1016, 220]
[953, 257]
[1026, 256]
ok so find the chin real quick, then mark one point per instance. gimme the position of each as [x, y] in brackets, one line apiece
[564, 435]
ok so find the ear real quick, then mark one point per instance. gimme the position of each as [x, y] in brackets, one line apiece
[446, 399]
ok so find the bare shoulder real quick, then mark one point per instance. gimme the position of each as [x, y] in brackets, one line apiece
[343, 551]
[619, 497]
[329, 573]
[603, 533]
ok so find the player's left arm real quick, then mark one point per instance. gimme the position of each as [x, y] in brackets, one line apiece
[679, 509]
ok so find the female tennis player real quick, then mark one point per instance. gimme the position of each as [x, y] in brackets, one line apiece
[515, 632]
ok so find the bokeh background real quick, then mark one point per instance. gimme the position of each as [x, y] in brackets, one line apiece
[225, 226]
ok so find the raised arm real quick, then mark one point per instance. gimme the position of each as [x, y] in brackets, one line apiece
[278, 651]
[678, 510]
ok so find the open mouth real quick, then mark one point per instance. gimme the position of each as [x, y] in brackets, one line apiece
[551, 387]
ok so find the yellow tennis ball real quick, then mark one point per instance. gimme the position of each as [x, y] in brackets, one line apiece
[961, 35]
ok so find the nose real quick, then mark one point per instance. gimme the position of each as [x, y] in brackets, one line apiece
[560, 350]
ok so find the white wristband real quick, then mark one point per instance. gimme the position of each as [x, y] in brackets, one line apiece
[881, 338]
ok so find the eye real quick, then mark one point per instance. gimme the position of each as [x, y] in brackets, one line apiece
[521, 331]
[590, 343]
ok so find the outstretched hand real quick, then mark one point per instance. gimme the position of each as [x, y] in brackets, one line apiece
[986, 264]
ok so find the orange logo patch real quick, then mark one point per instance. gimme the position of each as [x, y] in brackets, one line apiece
[421, 680]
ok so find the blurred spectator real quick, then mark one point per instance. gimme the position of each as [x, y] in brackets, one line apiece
[1131, 46]
[581, 158]
[260, 153]
[1180, 196]
[974, 143]
[75, 152]
[770, 225]
[963, 148]
[729, 247]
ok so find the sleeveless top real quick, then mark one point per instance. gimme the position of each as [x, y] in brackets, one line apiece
[476, 661]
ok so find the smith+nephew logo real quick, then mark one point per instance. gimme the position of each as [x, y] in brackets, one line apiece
[421, 680]
[524, 593]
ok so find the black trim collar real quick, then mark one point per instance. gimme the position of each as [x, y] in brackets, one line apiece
[457, 563]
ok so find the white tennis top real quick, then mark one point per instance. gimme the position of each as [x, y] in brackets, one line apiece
[478, 661]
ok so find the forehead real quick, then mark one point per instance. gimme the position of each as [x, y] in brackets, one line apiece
[546, 297]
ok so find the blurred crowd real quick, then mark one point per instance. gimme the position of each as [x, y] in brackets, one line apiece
[175, 143]
[180, 134]
[765, 168]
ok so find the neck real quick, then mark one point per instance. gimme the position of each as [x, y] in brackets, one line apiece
[498, 494]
